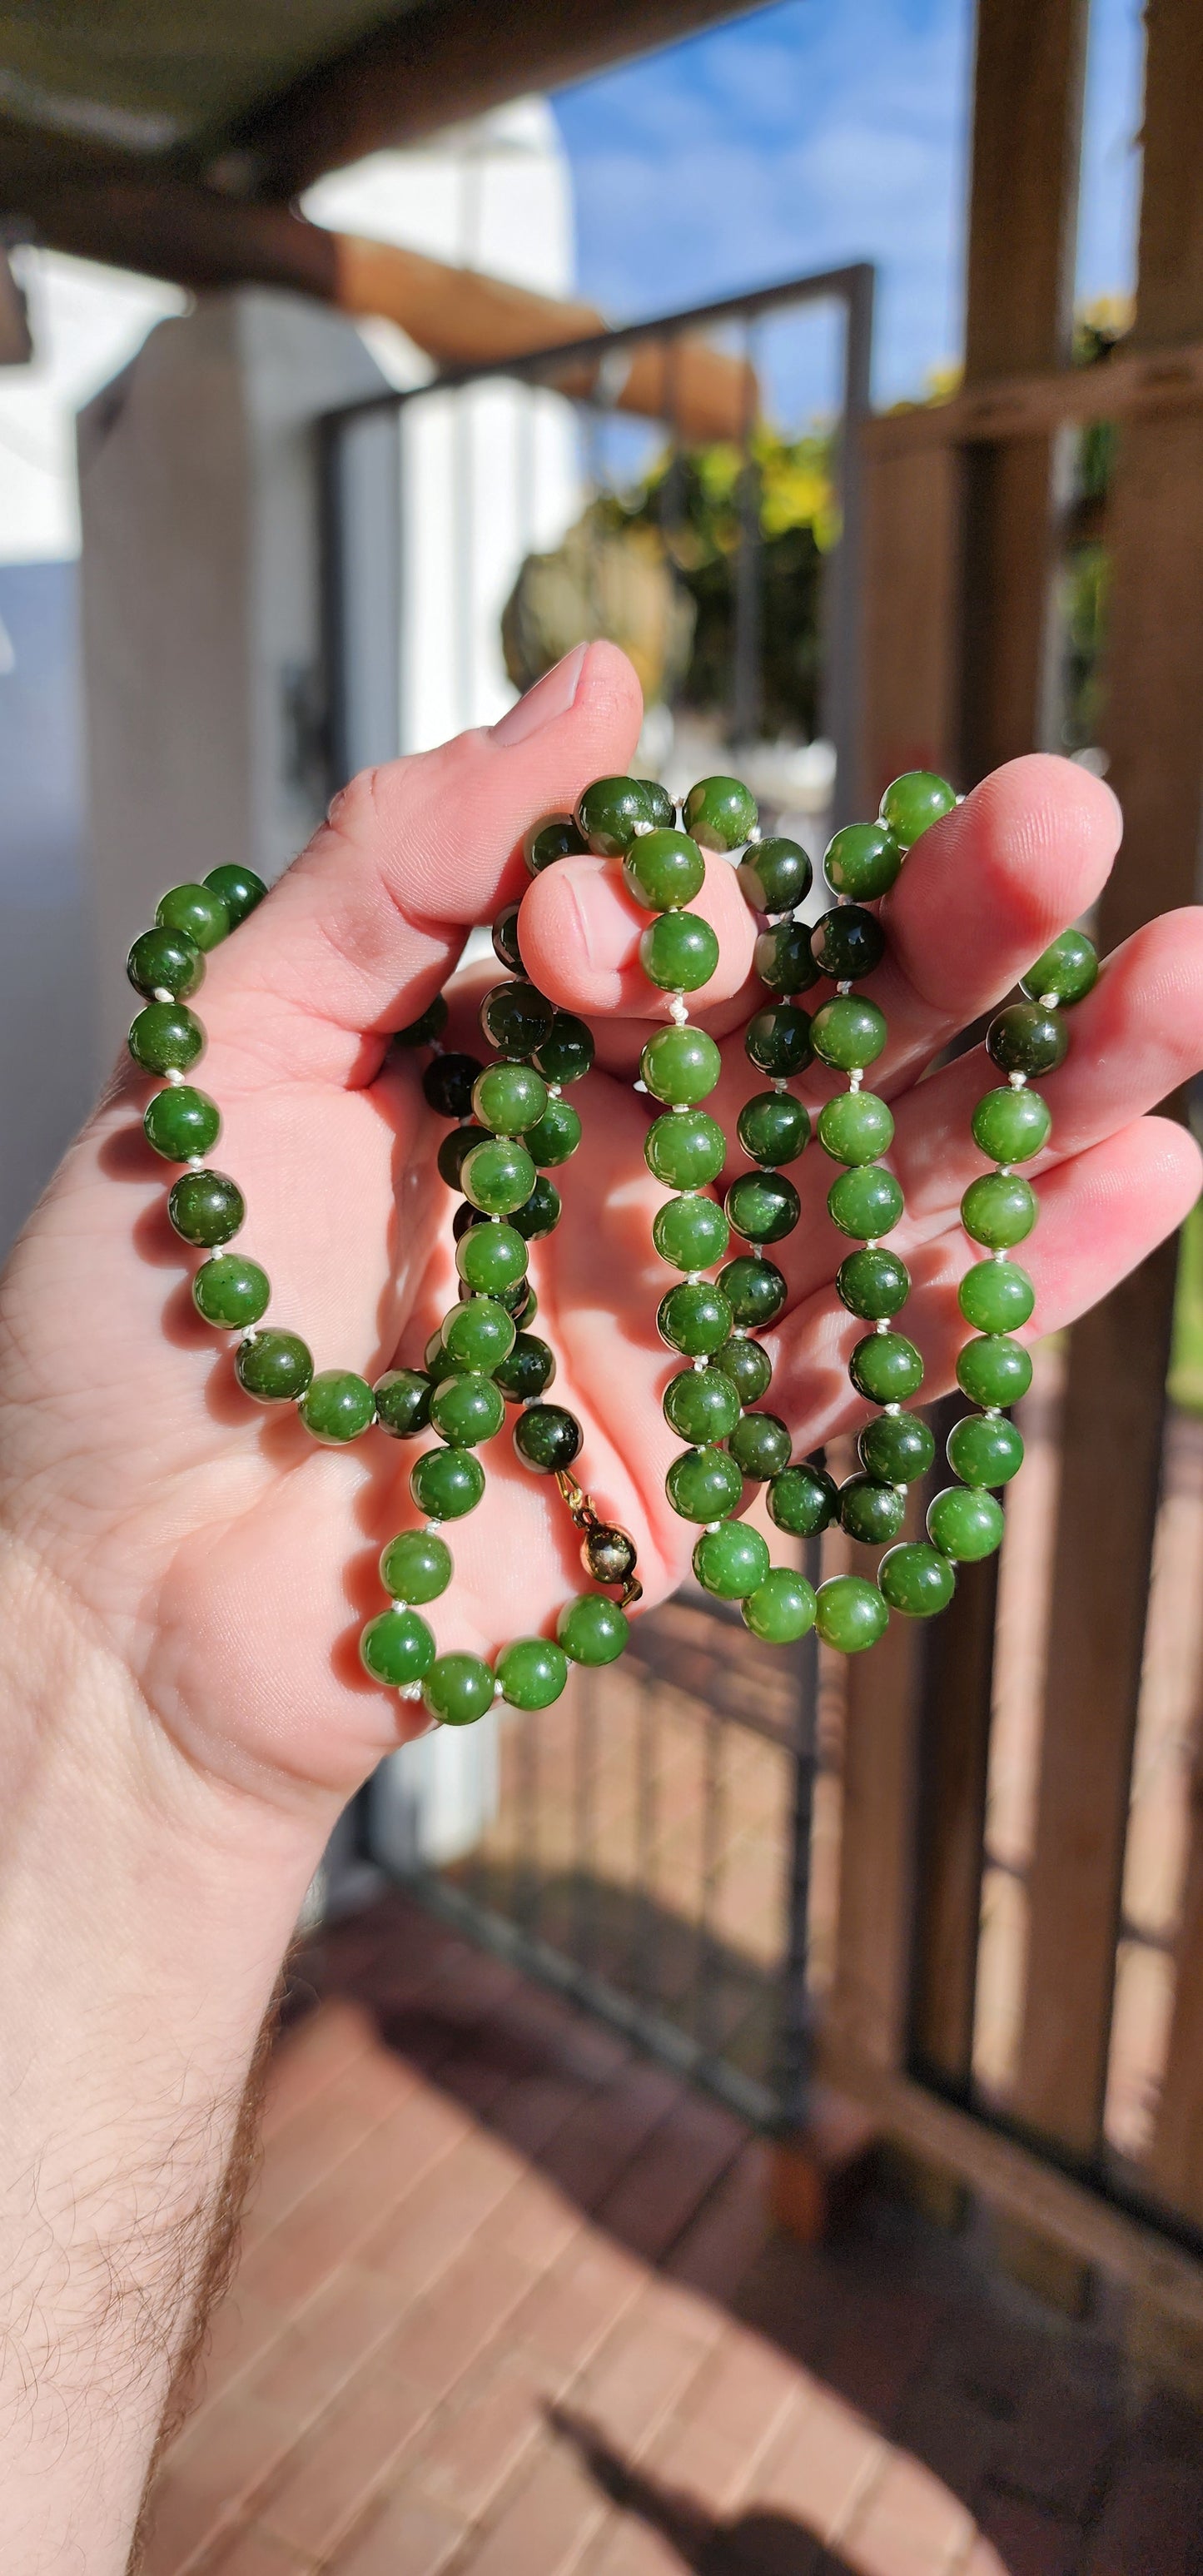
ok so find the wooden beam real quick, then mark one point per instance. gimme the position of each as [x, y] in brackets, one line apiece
[1133, 384]
[912, 560]
[954, 1760]
[867, 2009]
[1176, 2160]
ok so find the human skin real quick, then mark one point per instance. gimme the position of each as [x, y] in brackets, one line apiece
[183, 1576]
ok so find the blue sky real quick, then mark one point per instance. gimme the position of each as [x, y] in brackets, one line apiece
[816, 132]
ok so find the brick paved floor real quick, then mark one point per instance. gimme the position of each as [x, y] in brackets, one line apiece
[509, 2305]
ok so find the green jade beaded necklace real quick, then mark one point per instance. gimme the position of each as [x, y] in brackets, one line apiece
[512, 1125]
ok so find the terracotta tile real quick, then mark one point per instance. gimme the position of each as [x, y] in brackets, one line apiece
[315, 2141]
[406, 2537]
[255, 2553]
[880, 2344]
[643, 2368]
[241, 2331]
[907, 2525]
[1033, 2543]
[305, 2367]
[719, 2245]
[727, 2420]
[568, 2316]
[480, 2437]
[305, 2060]
[342, 2213]
[820, 2466]
[475, 2296]
[1059, 2453]
[211, 2472]
[344, 2462]
[671, 2175]
[634, 2548]
[587, 2156]
[545, 2527]
[1153, 2520]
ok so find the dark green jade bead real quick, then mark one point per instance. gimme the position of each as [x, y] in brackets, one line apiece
[897, 1448]
[782, 958]
[917, 1579]
[454, 1150]
[701, 1405]
[985, 1449]
[198, 911]
[866, 1201]
[760, 1446]
[555, 1136]
[446, 1483]
[873, 1283]
[181, 1122]
[855, 1127]
[662, 872]
[231, 1292]
[1027, 1038]
[695, 1318]
[775, 875]
[508, 1098]
[691, 1232]
[1067, 970]
[965, 1523]
[748, 1367]
[547, 1438]
[206, 1207]
[555, 838]
[166, 960]
[703, 1484]
[609, 814]
[275, 1367]
[403, 1402]
[778, 1039]
[754, 1289]
[913, 802]
[505, 939]
[862, 861]
[532, 1672]
[166, 1038]
[678, 952]
[685, 1151]
[781, 1609]
[848, 943]
[539, 1214]
[848, 1032]
[416, 1566]
[998, 1210]
[592, 1630]
[731, 1560]
[680, 1066]
[459, 1689]
[763, 1206]
[996, 1296]
[567, 1051]
[528, 1371]
[659, 804]
[428, 1026]
[397, 1647]
[850, 1613]
[479, 1335]
[466, 1410]
[238, 888]
[994, 1370]
[773, 1128]
[870, 1511]
[447, 1083]
[522, 1303]
[336, 1406]
[516, 1017]
[720, 813]
[491, 1257]
[886, 1367]
[498, 1176]
[434, 1359]
[1010, 1126]
[803, 1499]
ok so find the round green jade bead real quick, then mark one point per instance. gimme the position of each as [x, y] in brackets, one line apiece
[965, 1524]
[403, 1402]
[746, 1364]
[870, 1511]
[498, 1176]
[454, 1151]
[592, 1630]
[703, 1484]
[528, 1371]
[196, 910]
[782, 958]
[691, 1232]
[848, 943]
[459, 1689]
[1027, 1038]
[998, 1210]
[917, 1579]
[681, 1066]
[850, 1613]
[479, 1335]
[446, 1483]
[862, 861]
[701, 1405]
[775, 874]
[1066, 971]
[678, 952]
[508, 1098]
[662, 871]
[547, 1438]
[996, 1296]
[773, 1128]
[897, 1448]
[166, 1038]
[779, 1040]
[803, 1499]
[555, 1136]
[556, 837]
[505, 939]
[231, 1292]
[238, 888]
[763, 1206]
[567, 1051]
[760, 1445]
[539, 1214]
[913, 802]
[275, 1367]
[873, 1283]
[610, 812]
[694, 1317]
[181, 1122]
[731, 1560]
[466, 1410]
[721, 813]
[994, 1370]
[865, 1201]
[165, 960]
[755, 1291]
[886, 1367]
[1010, 1126]
[428, 1026]
[491, 1257]
[848, 1032]
[447, 1083]
[781, 1609]
[685, 1151]
[337, 1406]
[984, 1449]
[516, 1018]
[855, 1127]
[416, 1566]
[206, 1207]
[397, 1647]
[532, 1672]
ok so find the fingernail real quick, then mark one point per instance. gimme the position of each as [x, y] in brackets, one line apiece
[550, 697]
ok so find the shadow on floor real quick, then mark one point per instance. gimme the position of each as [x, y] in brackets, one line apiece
[751, 2544]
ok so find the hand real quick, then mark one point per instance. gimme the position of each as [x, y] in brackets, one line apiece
[227, 1561]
